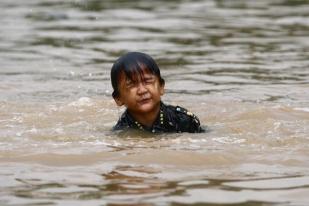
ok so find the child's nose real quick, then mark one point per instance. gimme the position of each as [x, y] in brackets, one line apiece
[141, 88]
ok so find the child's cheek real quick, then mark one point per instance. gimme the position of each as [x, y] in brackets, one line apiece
[132, 90]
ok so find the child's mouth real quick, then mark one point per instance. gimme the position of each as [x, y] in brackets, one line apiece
[144, 101]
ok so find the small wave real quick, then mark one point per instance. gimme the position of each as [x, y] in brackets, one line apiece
[302, 109]
[83, 101]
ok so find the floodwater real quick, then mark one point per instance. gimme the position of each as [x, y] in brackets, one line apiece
[241, 66]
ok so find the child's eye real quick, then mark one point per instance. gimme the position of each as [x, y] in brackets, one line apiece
[149, 80]
[129, 83]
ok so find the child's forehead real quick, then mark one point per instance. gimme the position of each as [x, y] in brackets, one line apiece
[136, 74]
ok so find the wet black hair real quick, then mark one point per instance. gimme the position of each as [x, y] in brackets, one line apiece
[133, 63]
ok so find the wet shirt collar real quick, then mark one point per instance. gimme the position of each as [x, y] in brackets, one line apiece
[157, 126]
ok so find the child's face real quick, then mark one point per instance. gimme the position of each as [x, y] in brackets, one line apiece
[140, 95]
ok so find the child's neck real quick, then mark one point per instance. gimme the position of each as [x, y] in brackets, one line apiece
[146, 119]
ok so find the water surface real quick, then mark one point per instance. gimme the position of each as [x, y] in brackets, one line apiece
[240, 66]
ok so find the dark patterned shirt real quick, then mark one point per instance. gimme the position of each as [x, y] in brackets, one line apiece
[170, 119]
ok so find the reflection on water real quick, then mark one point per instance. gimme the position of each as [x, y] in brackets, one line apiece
[241, 66]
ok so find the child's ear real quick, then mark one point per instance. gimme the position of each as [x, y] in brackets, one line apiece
[118, 101]
[162, 90]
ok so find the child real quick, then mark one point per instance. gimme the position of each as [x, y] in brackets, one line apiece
[138, 86]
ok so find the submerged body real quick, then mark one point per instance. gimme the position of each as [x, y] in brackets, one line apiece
[170, 119]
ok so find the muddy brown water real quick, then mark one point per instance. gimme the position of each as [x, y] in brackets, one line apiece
[240, 66]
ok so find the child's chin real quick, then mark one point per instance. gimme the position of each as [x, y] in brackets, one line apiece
[146, 107]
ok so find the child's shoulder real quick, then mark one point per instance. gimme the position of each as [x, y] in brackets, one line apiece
[185, 120]
[179, 110]
[182, 113]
